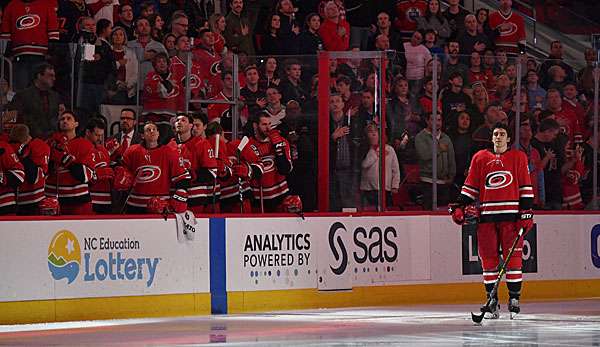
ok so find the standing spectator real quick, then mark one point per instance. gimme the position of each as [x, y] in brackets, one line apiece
[179, 23]
[456, 17]
[369, 179]
[145, 47]
[69, 12]
[511, 27]
[566, 117]
[434, 20]
[269, 76]
[33, 154]
[480, 101]
[157, 24]
[29, 43]
[572, 172]
[446, 164]
[254, 96]
[501, 59]
[12, 176]
[472, 40]
[426, 99]
[366, 111]
[402, 113]
[238, 32]
[289, 28]
[384, 26]
[334, 31]
[101, 184]
[94, 74]
[477, 74]
[39, 105]
[585, 76]
[71, 167]
[534, 159]
[407, 12]
[482, 135]
[309, 41]
[432, 44]
[461, 135]
[124, 88]
[169, 41]
[344, 144]
[553, 158]
[351, 100]
[360, 14]
[417, 56]
[206, 56]
[163, 95]
[272, 42]
[200, 10]
[503, 89]
[454, 100]
[275, 109]
[126, 20]
[147, 8]
[571, 104]
[555, 58]
[453, 63]
[489, 62]
[291, 86]
[535, 93]
[217, 27]
[557, 78]
[104, 9]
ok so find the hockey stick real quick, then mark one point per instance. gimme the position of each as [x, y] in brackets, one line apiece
[478, 318]
[238, 154]
[137, 172]
[214, 192]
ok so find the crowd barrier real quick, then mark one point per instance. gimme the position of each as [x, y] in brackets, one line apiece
[82, 269]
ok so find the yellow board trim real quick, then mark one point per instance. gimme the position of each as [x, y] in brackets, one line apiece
[455, 293]
[40, 311]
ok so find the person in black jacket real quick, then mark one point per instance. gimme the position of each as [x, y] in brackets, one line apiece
[309, 41]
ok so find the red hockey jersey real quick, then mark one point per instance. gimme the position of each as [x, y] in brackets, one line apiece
[274, 184]
[210, 72]
[509, 38]
[569, 122]
[250, 155]
[155, 170]
[100, 189]
[73, 181]
[35, 161]
[501, 183]
[407, 12]
[197, 87]
[199, 159]
[29, 26]
[12, 171]
[159, 100]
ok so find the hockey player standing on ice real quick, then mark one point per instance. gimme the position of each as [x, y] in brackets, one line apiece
[499, 179]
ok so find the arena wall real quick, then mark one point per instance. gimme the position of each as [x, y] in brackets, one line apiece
[70, 269]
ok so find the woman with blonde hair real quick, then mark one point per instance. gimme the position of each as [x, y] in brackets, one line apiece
[124, 88]
[216, 23]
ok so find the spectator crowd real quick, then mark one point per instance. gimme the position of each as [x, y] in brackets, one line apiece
[168, 66]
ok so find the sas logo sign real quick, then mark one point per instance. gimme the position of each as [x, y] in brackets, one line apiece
[64, 256]
[101, 259]
[595, 241]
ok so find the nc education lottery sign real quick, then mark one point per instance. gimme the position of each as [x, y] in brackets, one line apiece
[101, 258]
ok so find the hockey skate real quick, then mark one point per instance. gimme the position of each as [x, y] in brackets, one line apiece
[513, 307]
[491, 311]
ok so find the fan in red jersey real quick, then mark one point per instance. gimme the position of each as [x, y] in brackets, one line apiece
[101, 185]
[199, 159]
[34, 154]
[205, 56]
[407, 12]
[222, 113]
[511, 28]
[179, 64]
[71, 167]
[500, 180]
[149, 171]
[274, 152]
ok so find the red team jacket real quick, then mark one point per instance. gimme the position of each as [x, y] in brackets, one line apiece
[407, 12]
[197, 87]
[272, 181]
[12, 170]
[199, 159]
[101, 189]
[73, 181]
[501, 183]
[29, 26]
[35, 162]
[155, 170]
[211, 70]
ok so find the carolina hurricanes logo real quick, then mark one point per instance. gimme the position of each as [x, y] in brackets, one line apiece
[510, 31]
[498, 179]
[195, 82]
[573, 176]
[215, 68]
[27, 21]
[148, 173]
[268, 163]
[412, 14]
